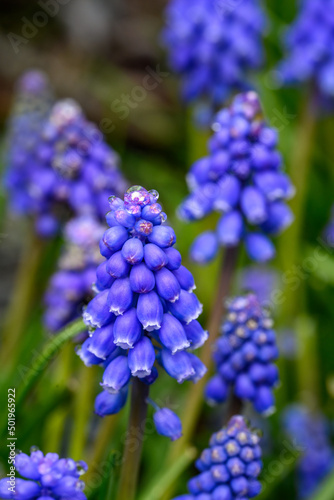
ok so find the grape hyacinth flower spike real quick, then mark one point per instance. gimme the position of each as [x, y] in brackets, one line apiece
[75, 171]
[32, 103]
[70, 287]
[45, 477]
[145, 311]
[309, 56]
[229, 468]
[244, 356]
[213, 47]
[311, 433]
[243, 180]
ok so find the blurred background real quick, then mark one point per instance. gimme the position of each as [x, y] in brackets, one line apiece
[96, 52]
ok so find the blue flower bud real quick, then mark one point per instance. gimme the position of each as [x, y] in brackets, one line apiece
[163, 236]
[168, 424]
[259, 247]
[67, 487]
[150, 311]
[186, 308]
[120, 296]
[280, 217]
[123, 218]
[127, 329]
[26, 490]
[204, 248]
[274, 185]
[151, 212]
[150, 379]
[104, 280]
[216, 390]
[229, 194]
[178, 365]
[264, 401]
[116, 375]
[104, 250]
[115, 237]
[141, 279]
[185, 278]
[172, 334]
[155, 257]
[110, 404]
[97, 312]
[133, 251]
[174, 258]
[244, 387]
[253, 205]
[195, 334]
[102, 342]
[230, 229]
[142, 358]
[117, 266]
[167, 285]
[222, 493]
[199, 367]
[26, 467]
[5, 492]
[86, 355]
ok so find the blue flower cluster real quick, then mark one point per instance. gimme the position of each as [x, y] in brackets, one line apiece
[46, 477]
[230, 467]
[145, 309]
[213, 45]
[74, 167]
[244, 356]
[311, 432]
[32, 103]
[309, 44]
[60, 166]
[242, 178]
[70, 287]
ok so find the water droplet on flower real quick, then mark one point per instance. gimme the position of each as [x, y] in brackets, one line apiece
[81, 467]
[163, 217]
[33, 448]
[154, 194]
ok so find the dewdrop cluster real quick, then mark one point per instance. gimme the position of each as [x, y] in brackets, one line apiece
[145, 310]
[229, 468]
[245, 355]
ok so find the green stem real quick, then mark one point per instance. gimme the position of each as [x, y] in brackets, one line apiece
[299, 173]
[162, 483]
[235, 406]
[290, 241]
[307, 360]
[32, 374]
[134, 442]
[193, 404]
[82, 411]
[22, 296]
[325, 492]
